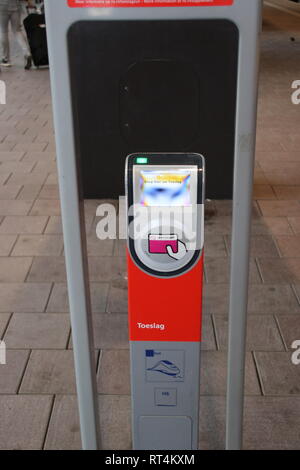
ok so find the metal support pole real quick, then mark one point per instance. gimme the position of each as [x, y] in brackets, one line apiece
[241, 231]
[74, 238]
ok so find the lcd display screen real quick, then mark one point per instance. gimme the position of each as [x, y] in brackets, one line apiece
[165, 187]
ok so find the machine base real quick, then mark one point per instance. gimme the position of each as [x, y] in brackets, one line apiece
[165, 395]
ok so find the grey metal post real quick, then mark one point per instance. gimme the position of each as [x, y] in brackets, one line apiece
[74, 239]
[241, 230]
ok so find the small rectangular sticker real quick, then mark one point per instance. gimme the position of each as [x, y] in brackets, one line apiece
[147, 3]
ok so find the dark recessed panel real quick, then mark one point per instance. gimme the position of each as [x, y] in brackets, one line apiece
[153, 86]
[159, 103]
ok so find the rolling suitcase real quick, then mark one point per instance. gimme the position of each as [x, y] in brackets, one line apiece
[35, 28]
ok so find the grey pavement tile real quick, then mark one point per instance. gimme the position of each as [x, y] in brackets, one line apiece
[272, 299]
[115, 422]
[23, 224]
[295, 224]
[64, 430]
[270, 157]
[6, 146]
[217, 270]
[271, 226]
[213, 374]
[54, 225]
[263, 191]
[98, 247]
[262, 333]
[290, 329]
[114, 372]
[47, 269]
[287, 192]
[215, 298]
[29, 192]
[28, 297]
[111, 331]
[103, 269]
[279, 208]
[289, 245]
[120, 247]
[38, 156]
[6, 244]
[58, 301]
[24, 421]
[215, 246]
[49, 191]
[33, 147]
[16, 167]
[91, 205]
[9, 191]
[49, 167]
[14, 269]
[38, 245]
[282, 177]
[37, 178]
[118, 297]
[4, 318]
[218, 225]
[224, 208]
[261, 246]
[19, 138]
[297, 291]
[270, 423]
[212, 423]
[280, 271]
[49, 372]
[11, 373]
[279, 376]
[37, 331]
[14, 207]
[11, 156]
[4, 177]
[46, 207]
[208, 341]
[52, 178]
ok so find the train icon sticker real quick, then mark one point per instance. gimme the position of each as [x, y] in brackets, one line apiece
[164, 365]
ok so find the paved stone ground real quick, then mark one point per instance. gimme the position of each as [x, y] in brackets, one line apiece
[37, 392]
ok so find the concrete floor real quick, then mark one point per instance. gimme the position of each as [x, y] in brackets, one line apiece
[38, 406]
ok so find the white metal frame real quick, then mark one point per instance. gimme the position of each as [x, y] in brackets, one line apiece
[246, 14]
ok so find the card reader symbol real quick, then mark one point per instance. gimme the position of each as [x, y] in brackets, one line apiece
[180, 253]
[167, 244]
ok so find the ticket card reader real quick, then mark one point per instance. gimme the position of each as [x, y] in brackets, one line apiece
[165, 215]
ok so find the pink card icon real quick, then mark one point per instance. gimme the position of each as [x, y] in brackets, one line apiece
[158, 243]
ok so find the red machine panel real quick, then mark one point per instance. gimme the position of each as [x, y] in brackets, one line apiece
[165, 309]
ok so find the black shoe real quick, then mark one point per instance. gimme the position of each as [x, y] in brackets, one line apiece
[5, 63]
[28, 62]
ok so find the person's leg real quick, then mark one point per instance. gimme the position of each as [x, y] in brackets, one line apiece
[4, 42]
[16, 26]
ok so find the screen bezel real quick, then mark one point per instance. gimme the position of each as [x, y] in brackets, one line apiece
[164, 159]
